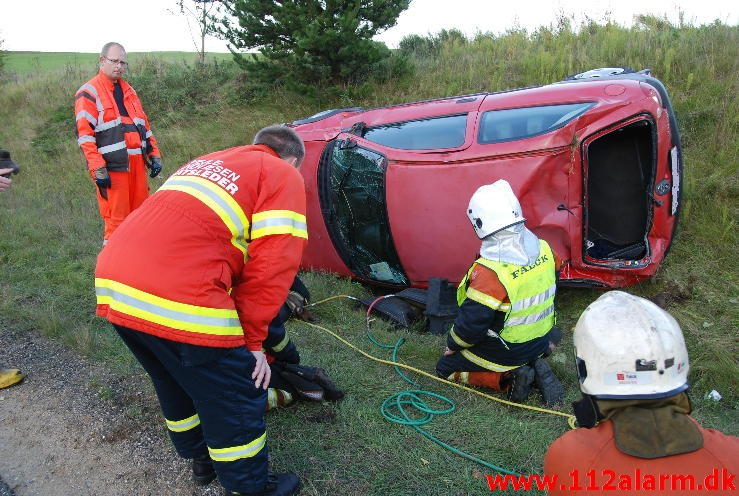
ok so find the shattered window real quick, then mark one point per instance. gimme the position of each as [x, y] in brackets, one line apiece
[353, 200]
[425, 134]
[518, 123]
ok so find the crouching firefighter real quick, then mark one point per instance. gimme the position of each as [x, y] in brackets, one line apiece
[634, 415]
[289, 379]
[505, 324]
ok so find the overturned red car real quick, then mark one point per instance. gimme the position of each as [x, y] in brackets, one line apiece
[595, 161]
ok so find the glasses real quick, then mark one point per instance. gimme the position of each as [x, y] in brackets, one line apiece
[122, 63]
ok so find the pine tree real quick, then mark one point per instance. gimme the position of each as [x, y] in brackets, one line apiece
[309, 41]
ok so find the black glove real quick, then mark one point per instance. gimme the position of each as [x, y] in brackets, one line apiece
[155, 168]
[7, 163]
[102, 178]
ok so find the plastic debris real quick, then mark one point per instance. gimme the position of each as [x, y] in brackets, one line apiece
[713, 395]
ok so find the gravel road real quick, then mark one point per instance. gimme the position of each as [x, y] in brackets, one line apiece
[73, 428]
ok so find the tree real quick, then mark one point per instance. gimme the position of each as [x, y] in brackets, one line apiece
[202, 12]
[309, 41]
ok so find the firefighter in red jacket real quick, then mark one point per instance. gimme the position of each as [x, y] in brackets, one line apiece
[191, 281]
[636, 435]
[114, 135]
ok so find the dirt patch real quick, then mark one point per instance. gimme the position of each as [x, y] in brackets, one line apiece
[73, 427]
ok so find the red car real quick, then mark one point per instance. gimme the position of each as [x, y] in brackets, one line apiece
[595, 161]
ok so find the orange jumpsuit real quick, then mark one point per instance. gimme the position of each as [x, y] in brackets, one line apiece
[118, 142]
[591, 456]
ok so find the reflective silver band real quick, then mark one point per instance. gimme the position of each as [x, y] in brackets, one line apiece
[134, 151]
[85, 139]
[278, 221]
[111, 148]
[108, 125]
[529, 319]
[536, 299]
[84, 114]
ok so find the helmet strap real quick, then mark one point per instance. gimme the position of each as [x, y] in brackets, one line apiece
[586, 412]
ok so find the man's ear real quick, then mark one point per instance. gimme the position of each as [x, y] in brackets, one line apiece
[293, 161]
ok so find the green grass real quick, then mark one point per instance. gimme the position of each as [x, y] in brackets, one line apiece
[50, 234]
[24, 63]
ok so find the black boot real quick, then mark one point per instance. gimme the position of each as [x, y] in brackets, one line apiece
[287, 484]
[551, 389]
[317, 376]
[202, 470]
[521, 382]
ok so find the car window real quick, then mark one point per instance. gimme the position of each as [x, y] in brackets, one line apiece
[424, 134]
[518, 123]
[353, 201]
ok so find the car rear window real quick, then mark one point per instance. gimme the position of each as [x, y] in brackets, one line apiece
[424, 134]
[518, 123]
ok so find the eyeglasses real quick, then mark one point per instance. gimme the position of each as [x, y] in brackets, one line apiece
[122, 63]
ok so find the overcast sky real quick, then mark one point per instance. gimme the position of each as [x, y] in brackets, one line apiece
[146, 25]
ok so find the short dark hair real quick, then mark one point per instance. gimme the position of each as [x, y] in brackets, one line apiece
[108, 45]
[283, 140]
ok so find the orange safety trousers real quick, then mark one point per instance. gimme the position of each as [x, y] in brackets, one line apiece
[127, 191]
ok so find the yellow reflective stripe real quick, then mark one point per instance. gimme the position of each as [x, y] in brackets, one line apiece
[218, 200]
[184, 424]
[281, 345]
[182, 316]
[487, 300]
[461, 342]
[278, 222]
[486, 364]
[238, 452]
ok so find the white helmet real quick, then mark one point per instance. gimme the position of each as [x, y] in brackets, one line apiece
[628, 348]
[493, 208]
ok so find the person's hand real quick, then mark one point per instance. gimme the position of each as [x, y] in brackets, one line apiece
[448, 351]
[156, 167]
[262, 372]
[102, 178]
[5, 181]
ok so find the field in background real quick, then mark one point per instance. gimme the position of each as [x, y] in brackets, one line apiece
[23, 63]
[50, 234]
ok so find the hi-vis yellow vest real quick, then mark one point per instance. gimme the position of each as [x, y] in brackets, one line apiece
[530, 288]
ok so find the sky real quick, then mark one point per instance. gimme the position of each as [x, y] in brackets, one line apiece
[150, 25]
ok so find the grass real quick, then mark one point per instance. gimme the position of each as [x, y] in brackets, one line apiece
[50, 234]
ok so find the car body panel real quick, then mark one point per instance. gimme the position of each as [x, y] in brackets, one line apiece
[426, 192]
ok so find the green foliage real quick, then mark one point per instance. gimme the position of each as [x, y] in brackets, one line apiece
[53, 134]
[311, 42]
[2, 56]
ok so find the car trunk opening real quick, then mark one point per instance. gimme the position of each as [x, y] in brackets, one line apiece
[618, 208]
[352, 195]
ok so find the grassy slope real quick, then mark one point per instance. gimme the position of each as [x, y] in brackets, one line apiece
[50, 233]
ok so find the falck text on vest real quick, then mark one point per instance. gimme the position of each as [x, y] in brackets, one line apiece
[527, 268]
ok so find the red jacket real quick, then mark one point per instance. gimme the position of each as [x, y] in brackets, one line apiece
[592, 457]
[209, 258]
[105, 137]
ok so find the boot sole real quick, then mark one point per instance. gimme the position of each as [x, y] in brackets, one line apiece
[204, 480]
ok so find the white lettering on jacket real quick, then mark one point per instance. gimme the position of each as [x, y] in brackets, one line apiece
[212, 170]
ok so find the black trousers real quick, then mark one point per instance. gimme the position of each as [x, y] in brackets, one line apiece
[210, 405]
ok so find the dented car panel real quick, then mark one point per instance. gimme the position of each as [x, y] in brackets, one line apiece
[596, 165]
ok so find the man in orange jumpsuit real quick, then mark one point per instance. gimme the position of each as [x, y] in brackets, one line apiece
[115, 137]
[230, 229]
[636, 434]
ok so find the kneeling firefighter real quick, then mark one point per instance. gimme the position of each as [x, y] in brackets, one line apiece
[505, 324]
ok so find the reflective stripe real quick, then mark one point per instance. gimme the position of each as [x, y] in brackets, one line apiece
[278, 222]
[148, 134]
[140, 121]
[85, 139]
[90, 88]
[134, 151]
[182, 316]
[219, 201]
[487, 300]
[237, 452]
[461, 342]
[536, 299]
[111, 148]
[84, 114]
[486, 364]
[530, 319]
[281, 345]
[108, 125]
[183, 425]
